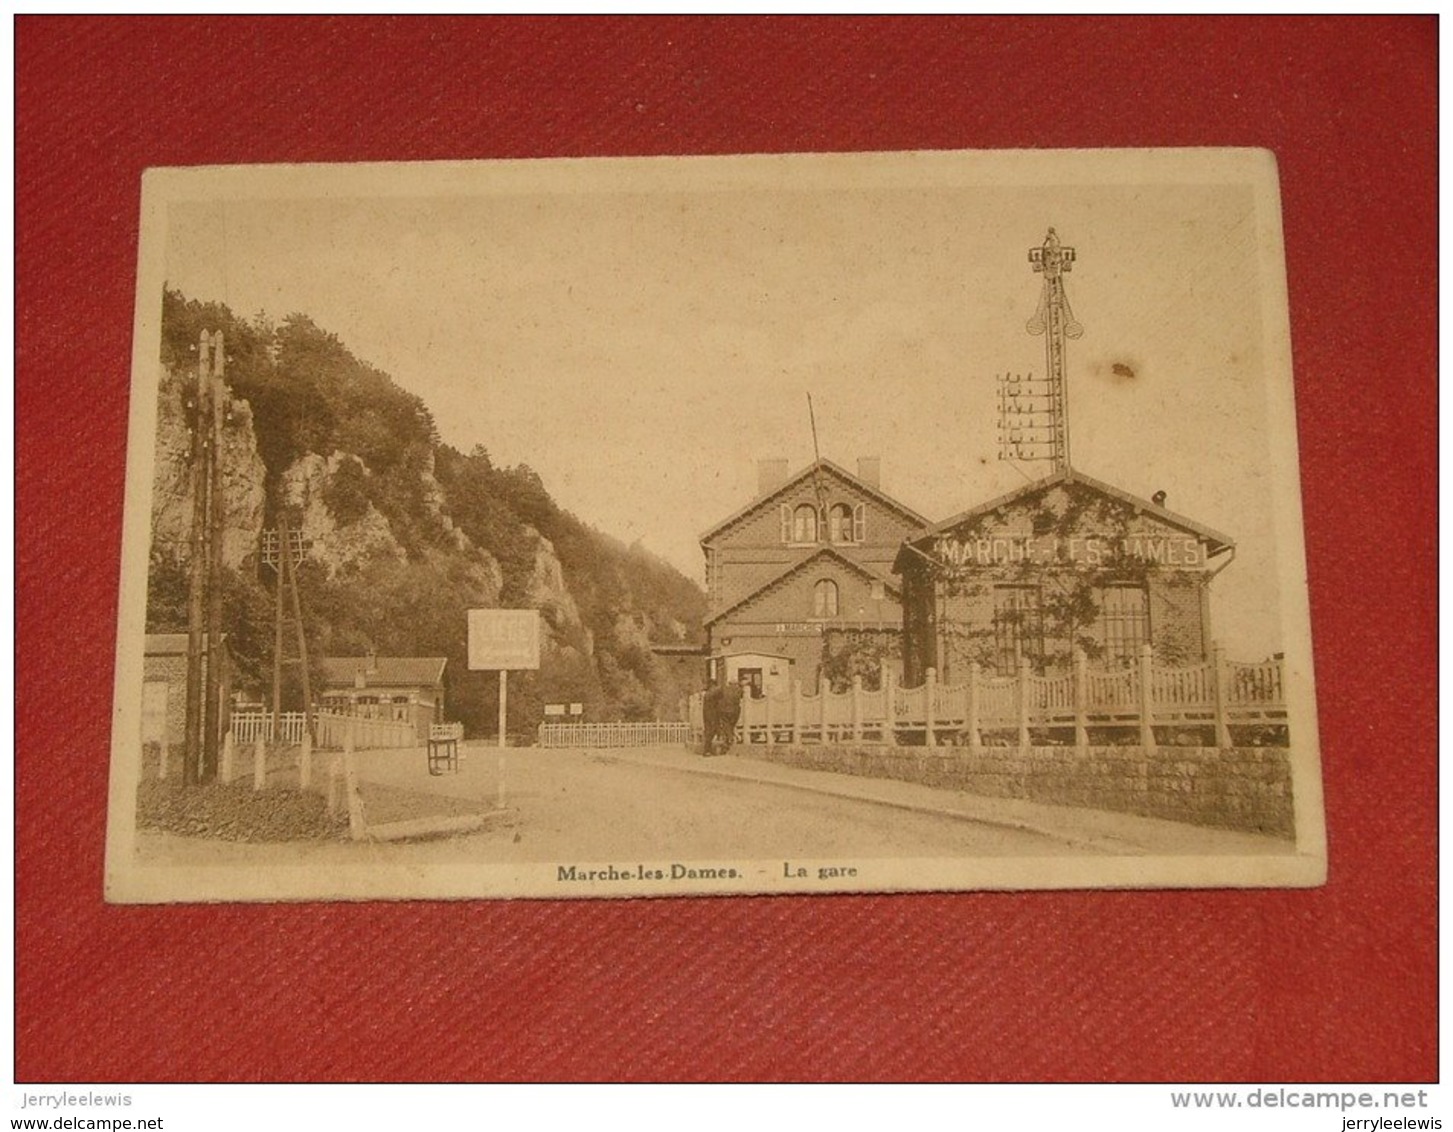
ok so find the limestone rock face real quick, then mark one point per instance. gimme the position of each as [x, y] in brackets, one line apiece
[434, 503]
[478, 579]
[339, 546]
[242, 476]
[547, 592]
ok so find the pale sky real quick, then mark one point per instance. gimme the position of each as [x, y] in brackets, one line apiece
[641, 341]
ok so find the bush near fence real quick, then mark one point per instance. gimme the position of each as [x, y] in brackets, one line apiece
[1240, 788]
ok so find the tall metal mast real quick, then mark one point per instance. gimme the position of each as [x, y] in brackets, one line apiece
[1056, 322]
[1034, 412]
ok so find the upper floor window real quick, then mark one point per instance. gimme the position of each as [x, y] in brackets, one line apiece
[804, 523]
[824, 598]
[845, 523]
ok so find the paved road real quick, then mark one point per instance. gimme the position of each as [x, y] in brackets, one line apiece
[596, 805]
[593, 823]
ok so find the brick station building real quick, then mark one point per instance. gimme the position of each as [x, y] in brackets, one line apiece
[808, 561]
[1064, 563]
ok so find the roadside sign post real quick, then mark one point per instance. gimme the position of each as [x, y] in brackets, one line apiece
[503, 640]
[504, 693]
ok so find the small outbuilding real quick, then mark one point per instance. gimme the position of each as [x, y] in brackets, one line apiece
[164, 686]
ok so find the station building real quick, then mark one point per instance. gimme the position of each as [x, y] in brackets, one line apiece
[806, 565]
[1063, 564]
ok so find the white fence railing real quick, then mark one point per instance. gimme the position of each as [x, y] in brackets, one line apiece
[990, 708]
[330, 728]
[612, 734]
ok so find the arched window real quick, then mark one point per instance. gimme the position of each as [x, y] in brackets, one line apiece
[824, 598]
[804, 524]
[840, 523]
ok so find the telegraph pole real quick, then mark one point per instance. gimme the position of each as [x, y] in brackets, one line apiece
[204, 589]
[283, 549]
[216, 506]
[197, 565]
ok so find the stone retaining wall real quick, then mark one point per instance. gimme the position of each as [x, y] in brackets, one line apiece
[1241, 788]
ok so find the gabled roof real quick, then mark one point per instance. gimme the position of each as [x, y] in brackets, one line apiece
[383, 671]
[802, 563]
[791, 482]
[1216, 541]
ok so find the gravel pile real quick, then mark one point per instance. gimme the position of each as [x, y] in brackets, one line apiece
[236, 812]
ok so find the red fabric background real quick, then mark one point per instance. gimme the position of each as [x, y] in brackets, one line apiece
[1334, 983]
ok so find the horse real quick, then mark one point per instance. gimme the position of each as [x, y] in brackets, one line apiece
[721, 707]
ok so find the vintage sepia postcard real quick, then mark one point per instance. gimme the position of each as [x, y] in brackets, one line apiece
[713, 525]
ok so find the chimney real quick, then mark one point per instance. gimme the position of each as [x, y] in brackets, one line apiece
[870, 470]
[771, 474]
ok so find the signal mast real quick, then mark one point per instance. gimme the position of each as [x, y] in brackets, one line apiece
[1034, 412]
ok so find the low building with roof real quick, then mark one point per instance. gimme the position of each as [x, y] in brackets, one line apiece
[408, 688]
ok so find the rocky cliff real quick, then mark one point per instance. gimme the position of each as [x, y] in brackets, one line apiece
[404, 534]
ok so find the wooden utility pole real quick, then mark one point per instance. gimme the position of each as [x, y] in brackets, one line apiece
[290, 565]
[274, 721]
[216, 515]
[283, 549]
[204, 596]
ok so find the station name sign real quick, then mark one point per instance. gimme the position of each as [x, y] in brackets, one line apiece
[504, 639]
[1179, 551]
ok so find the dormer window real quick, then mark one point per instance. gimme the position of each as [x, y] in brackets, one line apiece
[805, 525]
[799, 525]
[845, 523]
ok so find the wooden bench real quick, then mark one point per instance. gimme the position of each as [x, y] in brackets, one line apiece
[444, 740]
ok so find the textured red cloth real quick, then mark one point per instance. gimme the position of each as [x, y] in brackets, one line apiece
[1325, 984]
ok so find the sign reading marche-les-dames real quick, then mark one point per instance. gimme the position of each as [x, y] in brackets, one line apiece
[504, 639]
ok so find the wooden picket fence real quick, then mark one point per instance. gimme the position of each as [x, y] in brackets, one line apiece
[991, 709]
[612, 734]
[330, 728]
